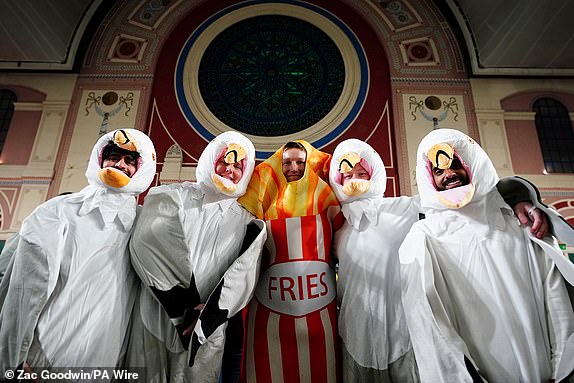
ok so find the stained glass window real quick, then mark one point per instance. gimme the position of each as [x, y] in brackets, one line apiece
[555, 135]
[271, 75]
[7, 100]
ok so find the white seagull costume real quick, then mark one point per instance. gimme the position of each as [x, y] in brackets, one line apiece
[482, 296]
[194, 244]
[68, 293]
[372, 325]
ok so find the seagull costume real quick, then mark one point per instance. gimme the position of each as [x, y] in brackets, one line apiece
[372, 326]
[69, 290]
[194, 244]
[483, 298]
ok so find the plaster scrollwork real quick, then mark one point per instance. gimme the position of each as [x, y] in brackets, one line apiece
[108, 105]
[433, 109]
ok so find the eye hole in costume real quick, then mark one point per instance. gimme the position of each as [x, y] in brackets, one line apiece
[441, 157]
[355, 179]
[234, 155]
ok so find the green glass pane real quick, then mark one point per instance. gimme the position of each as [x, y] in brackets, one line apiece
[271, 75]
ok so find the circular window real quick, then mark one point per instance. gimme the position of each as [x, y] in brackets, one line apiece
[271, 75]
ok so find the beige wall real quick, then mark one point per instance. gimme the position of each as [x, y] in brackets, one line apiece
[508, 137]
[28, 183]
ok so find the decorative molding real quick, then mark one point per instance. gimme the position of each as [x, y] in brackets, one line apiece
[556, 193]
[398, 15]
[149, 14]
[127, 49]
[520, 116]
[430, 80]
[421, 51]
[25, 181]
[430, 108]
[118, 76]
[174, 152]
[28, 107]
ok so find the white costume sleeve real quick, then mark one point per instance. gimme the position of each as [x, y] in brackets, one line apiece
[7, 253]
[516, 189]
[439, 349]
[441, 354]
[27, 285]
[175, 237]
[235, 289]
[558, 305]
[159, 231]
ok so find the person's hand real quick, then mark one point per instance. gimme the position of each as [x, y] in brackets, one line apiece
[528, 215]
[189, 329]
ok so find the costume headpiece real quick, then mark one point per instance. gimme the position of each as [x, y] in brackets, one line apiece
[129, 140]
[232, 147]
[270, 196]
[347, 155]
[438, 150]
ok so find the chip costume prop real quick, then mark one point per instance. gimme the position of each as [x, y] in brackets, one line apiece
[291, 325]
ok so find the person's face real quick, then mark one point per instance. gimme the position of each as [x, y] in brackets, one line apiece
[123, 162]
[293, 164]
[232, 172]
[453, 177]
[358, 173]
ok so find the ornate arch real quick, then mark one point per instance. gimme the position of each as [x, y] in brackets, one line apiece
[406, 46]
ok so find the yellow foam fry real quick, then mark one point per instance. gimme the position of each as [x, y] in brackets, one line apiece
[270, 196]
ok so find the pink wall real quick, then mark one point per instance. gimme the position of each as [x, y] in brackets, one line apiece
[524, 147]
[523, 101]
[20, 138]
[521, 134]
[23, 127]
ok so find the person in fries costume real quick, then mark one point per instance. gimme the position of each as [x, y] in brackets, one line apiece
[291, 323]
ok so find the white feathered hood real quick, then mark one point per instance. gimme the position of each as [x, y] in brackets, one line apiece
[219, 146]
[353, 151]
[130, 139]
[368, 156]
[481, 171]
